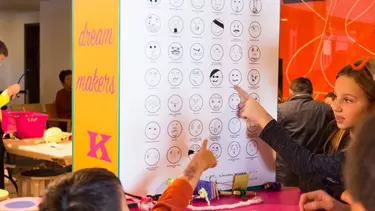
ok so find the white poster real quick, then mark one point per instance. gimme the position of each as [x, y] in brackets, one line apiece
[179, 62]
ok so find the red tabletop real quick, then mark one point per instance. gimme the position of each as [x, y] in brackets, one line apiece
[284, 200]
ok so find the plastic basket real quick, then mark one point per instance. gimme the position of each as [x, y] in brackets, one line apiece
[30, 125]
[8, 122]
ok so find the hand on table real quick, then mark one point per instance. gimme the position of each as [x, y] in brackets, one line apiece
[13, 90]
[320, 200]
[249, 108]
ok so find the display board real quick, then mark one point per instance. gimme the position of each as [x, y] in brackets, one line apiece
[179, 61]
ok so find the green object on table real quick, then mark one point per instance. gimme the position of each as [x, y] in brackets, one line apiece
[243, 194]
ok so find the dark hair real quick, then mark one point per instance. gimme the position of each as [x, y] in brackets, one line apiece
[301, 85]
[363, 76]
[360, 167]
[63, 74]
[3, 49]
[91, 189]
[214, 72]
[330, 95]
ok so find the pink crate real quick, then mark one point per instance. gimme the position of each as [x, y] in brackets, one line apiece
[8, 122]
[31, 125]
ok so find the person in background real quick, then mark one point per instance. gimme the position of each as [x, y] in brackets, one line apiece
[5, 96]
[355, 99]
[97, 189]
[329, 98]
[305, 120]
[280, 97]
[63, 99]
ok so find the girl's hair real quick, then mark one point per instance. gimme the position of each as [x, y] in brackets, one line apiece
[361, 72]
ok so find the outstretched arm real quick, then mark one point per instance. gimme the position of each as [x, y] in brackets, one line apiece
[300, 159]
[178, 195]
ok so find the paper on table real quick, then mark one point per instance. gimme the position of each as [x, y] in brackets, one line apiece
[53, 150]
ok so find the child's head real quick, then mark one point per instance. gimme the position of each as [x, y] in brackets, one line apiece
[65, 77]
[3, 51]
[355, 94]
[354, 99]
[92, 189]
[329, 98]
[360, 167]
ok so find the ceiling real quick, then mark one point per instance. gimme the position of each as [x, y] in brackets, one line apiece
[19, 5]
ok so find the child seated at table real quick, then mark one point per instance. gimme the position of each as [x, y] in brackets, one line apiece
[359, 176]
[97, 189]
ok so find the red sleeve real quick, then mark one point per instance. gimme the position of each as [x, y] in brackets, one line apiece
[176, 197]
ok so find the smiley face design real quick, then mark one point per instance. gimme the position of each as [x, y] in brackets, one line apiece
[216, 77]
[215, 127]
[174, 129]
[195, 127]
[216, 102]
[153, 50]
[215, 148]
[153, 23]
[235, 77]
[152, 77]
[196, 77]
[252, 148]
[236, 28]
[234, 125]
[217, 27]
[175, 103]
[237, 5]
[197, 26]
[234, 100]
[175, 51]
[217, 52]
[153, 2]
[176, 3]
[255, 29]
[195, 148]
[234, 149]
[197, 4]
[196, 102]
[152, 157]
[255, 6]
[254, 53]
[255, 96]
[176, 24]
[235, 53]
[174, 155]
[196, 52]
[175, 77]
[252, 126]
[152, 104]
[152, 130]
[218, 5]
[253, 77]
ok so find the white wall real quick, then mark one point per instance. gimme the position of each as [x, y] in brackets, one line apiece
[12, 34]
[56, 45]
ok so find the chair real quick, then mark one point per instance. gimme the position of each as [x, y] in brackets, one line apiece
[53, 120]
[34, 182]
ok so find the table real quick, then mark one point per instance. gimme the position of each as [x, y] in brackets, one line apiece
[285, 200]
[36, 148]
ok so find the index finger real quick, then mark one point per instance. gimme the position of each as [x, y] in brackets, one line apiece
[243, 94]
[204, 144]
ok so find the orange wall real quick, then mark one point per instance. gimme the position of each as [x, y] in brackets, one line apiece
[318, 38]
